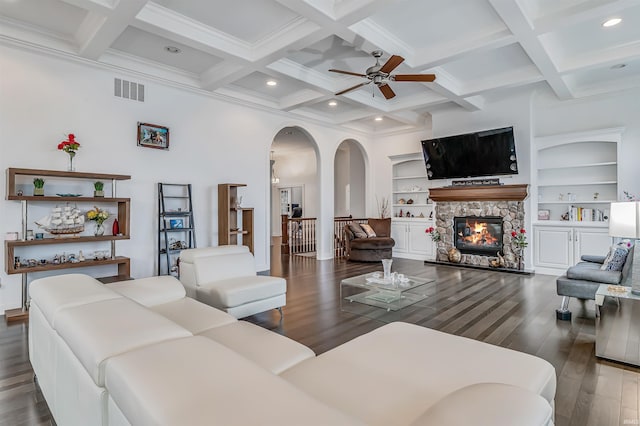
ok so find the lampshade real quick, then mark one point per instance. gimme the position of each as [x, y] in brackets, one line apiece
[624, 220]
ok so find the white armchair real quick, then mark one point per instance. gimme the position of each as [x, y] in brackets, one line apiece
[225, 277]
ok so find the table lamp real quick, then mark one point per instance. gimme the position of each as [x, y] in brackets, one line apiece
[624, 221]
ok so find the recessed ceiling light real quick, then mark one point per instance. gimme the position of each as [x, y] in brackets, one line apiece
[378, 118]
[172, 49]
[333, 103]
[618, 66]
[272, 83]
[611, 22]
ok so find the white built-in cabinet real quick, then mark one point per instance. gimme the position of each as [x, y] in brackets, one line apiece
[556, 248]
[410, 195]
[573, 172]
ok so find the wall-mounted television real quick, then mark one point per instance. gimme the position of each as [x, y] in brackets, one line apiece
[485, 153]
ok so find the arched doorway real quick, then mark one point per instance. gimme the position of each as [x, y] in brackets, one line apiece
[349, 189]
[349, 180]
[294, 191]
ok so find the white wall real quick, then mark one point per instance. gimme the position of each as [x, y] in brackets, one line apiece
[44, 97]
[350, 181]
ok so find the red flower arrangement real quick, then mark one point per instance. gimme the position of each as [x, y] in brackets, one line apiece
[520, 238]
[70, 146]
[433, 232]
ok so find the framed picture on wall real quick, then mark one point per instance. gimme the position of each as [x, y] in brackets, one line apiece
[543, 214]
[153, 136]
[176, 224]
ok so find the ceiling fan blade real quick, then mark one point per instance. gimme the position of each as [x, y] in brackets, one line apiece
[391, 64]
[353, 88]
[348, 73]
[386, 91]
[414, 77]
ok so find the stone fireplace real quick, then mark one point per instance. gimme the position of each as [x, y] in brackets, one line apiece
[478, 221]
[478, 235]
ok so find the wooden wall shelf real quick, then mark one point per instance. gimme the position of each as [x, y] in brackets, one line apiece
[480, 193]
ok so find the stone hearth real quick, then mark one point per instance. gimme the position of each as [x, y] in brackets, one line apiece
[511, 212]
[505, 201]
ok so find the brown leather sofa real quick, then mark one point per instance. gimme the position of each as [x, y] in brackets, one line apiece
[371, 249]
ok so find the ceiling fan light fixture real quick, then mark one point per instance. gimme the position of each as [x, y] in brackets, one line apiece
[173, 49]
[611, 22]
[272, 83]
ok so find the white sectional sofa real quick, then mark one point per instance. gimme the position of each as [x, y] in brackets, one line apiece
[142, 353]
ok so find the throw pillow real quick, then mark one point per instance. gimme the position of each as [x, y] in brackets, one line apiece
[357, 230]
[615, 259]
[369, 230]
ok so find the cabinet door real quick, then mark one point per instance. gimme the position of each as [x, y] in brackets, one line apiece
[553, 247]
[591, 241]
[399, 234]
[419, 241]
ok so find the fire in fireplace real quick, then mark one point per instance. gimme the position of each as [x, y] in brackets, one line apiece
[478, 235]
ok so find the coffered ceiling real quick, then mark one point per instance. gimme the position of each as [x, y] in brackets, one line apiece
[479, 50]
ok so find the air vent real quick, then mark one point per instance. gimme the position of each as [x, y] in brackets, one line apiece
[128, 90]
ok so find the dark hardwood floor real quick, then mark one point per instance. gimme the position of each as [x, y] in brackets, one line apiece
[510, 310]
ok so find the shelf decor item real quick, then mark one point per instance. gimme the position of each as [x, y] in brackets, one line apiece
[99, 216]
[65, 220]
[98, 189]
[38, 186]
[70, 146]
[518, 244]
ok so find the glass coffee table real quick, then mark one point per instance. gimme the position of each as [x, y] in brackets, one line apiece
[370, 289]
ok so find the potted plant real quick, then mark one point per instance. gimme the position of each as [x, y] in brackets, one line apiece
[38, 186]
[98, 186]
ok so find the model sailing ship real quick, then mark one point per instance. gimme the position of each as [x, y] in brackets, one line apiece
[65, 220]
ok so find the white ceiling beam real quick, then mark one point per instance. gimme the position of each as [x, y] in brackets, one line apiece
[450, 88]
[223, 73]
[514, 17]
[169, 24]
[98, 32]
[104, 7]
[428, 57]
[303, 98]
[408, 117]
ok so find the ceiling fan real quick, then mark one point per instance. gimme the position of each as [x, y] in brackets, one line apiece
[381, 75]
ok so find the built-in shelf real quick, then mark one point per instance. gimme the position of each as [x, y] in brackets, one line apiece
[565, 183]
[586, 224]
[118, 260]
[575, 166]
[410, 177]
[577, 202]
[412, 205]
[410, 192]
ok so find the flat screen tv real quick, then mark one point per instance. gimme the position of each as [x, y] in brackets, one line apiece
[486, 153]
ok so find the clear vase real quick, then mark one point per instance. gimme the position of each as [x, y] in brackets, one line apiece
[71, 167]
[386, 267]
[99, 231]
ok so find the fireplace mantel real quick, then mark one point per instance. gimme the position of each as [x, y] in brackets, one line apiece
[479, 193]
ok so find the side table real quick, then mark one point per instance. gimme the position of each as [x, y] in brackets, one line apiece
[618, 326]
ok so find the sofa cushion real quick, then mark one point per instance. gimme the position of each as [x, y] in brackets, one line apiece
[189, 255]
[372, 243]
[590, 271]
[97, 331]
[222, 267]
[53, 294]
[368, 229]
[150, 291]
[196, 381]
[357, 230]
[232, 292]
[488, 404]
[394, 373]
[270, 350]
[382, 227]
[193, 315]
[615, 259]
